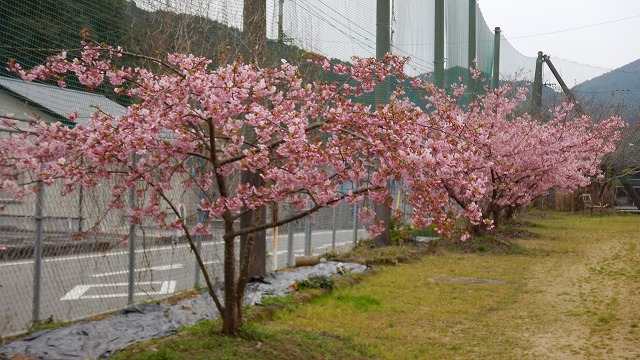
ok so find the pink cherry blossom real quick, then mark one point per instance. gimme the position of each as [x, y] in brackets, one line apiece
[305, 140]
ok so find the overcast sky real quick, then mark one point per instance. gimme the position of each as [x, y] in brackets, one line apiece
[602, 33]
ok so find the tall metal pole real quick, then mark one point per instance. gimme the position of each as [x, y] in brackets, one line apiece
[537, 87]
[254, 24]
[383, 45]
[280, 29]
[495, 81]
[471, 60]
[438, 51]
[132, 237]
[37, 253]
[383, 95]
[563, 85]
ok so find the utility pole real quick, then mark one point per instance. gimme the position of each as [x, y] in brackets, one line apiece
[280, 29]
[383, 94]
[471, 63]
[563, 85]
[254, 29]
[495, 81]
[383, 46]
[438, 51]
[255, 43]
[536, 109]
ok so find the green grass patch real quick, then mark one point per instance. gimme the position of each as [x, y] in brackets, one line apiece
[568, 290]
[202, 341]
[283, 302]
[361, 302]
[322, 282]
[491, 243]
[49, 324]
[364, 251]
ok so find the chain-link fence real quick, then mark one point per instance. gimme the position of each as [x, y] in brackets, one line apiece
[49, 273]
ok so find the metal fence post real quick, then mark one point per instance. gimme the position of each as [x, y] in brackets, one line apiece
[132, 237]
[307, 235]
[355, 224]
[291, 260]
[438, 51]
[201, 217]
[495, 79]
[404, 212]
[334, 216]
[37, 252]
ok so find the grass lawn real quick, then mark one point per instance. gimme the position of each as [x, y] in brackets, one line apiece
[570, 289]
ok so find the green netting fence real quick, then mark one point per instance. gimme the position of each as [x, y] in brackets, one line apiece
[81, 279]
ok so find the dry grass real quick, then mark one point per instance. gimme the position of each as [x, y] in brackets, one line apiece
[403, 314]
[572, 293]
[584, 296]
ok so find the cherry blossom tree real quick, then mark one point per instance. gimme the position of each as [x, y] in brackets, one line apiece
[309, 139]
[520, 158]
[306, 140]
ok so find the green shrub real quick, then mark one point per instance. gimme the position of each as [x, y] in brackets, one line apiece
[403, 233]
[323, 282]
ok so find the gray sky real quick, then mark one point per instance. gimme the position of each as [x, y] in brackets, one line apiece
[605, 32]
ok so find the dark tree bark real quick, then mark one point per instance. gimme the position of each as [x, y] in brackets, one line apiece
[632, 194]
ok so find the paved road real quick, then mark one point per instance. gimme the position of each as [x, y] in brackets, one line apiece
[78, 286]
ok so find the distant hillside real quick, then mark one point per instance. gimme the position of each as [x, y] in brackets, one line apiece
[615, 92]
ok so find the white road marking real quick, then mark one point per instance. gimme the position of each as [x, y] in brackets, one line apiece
[153, 249]
[153, 268]
[77, 293]
[92, 256]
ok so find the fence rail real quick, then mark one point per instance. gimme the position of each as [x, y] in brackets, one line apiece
[48, 274]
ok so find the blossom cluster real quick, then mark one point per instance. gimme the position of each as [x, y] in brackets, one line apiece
[304, 139]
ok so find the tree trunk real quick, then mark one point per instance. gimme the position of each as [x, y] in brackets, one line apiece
[478, 230]
[510, 212]
[489, 213]
[495, 215]
[383, 213]
[231, 317]
[632, 194]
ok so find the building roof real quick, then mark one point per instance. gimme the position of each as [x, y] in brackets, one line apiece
[59, 102]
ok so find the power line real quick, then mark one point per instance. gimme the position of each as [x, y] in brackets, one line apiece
[366, 39]
[575, 28]
[356, 34]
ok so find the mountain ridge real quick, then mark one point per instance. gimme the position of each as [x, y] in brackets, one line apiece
[616, 92]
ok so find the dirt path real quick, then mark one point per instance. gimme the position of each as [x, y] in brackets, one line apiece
[583, 296]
